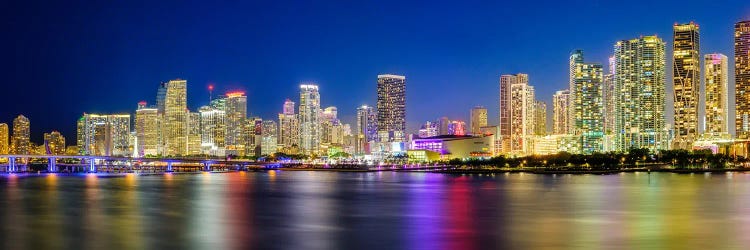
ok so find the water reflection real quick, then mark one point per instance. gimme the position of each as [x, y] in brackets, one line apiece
[327, 210]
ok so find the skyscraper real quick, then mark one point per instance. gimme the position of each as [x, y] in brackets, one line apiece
[104, 135]
[147, 130]
[457, 127]
[717, 89]
[478, 119]
[391, 108]
[54, 143]
[4, 133]
[268, 142]
[288, 128]
[502, 143]
[540, 118]
[20, 142]
[236, 120]
[608, 98]
[639, 99]
[367, 129]
[521, 115]
[193, 133]
[309, 119]
[213, 131]
[742, 78]
[175, 118]
[586, 108]
[686, 70]
[560, 112]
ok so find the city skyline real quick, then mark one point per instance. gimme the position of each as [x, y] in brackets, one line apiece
[437, 65]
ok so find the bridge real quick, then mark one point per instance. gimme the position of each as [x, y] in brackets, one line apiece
[93, 164]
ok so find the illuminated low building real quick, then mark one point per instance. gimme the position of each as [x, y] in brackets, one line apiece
[454, 146]
[552, 144]
[422, 155]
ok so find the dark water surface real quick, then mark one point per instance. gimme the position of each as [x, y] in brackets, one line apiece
[330, 210]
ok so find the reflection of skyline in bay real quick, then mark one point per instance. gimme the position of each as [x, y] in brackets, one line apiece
[330, 210]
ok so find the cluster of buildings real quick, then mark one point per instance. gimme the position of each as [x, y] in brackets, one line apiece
[605, 107]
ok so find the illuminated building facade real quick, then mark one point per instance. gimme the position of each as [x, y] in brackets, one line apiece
[560, 112]
[457, 128]
[289, 129]
[104, 135]
[686, 71]
[213, 130]
[478, 119]
[146, 130]
[587, 106]
[540, 118]
[391, 108]
[717, 89]
[4, 140]
[175, 118]
[193, 133]
[269, 141]
[639, 99]
[608, 98]
[367, 129]
[454, 146]
[236, 120]
[429, 129]
[54, 143]
[21, 141]
[504, 126]
[742, 78]
[521, 115]
[309, 119]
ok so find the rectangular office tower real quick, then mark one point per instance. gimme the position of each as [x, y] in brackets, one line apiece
[146, 130]
[175, 118]
[686, 79]
[717, 105]
[235, 108]
[639, 98]
[587, 108]
[560, 107]
[288, 140]
[391, 108]
[367, 129]
[104, 135]
[478, 119]
[516, 115]
[742, 78]
[309, 119]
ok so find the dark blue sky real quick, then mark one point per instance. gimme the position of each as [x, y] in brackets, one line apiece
[63, 58]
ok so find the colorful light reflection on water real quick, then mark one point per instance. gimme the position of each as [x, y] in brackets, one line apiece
[329, 210]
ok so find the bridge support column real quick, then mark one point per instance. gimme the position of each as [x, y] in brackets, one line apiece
[11, 164]
[169, 167]
[92, 166]
[52, 165]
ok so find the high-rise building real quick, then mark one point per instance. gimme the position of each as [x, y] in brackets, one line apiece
[213, 130]
[540, 118]
[21, 139]
[502, 143]
[54, 143]
[639, 99]
[193, 133]
[289, 129]
[717, 89]
[161, 97]
[254, 132]
[104, 135]
[742, 78]
[236, 120]
[442, 125]
[175, 118]
[147, 130]
[457, 127]
[367, 129]
[586, 104]
[4, 133]
[560, 107]
[478, 119]
[309, 119]
[429, 129]
[608, 98]
[686, 71]
[268, 142]
[521, 115]
[391, 108]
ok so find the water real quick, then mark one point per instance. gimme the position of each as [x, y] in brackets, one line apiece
[329, 210]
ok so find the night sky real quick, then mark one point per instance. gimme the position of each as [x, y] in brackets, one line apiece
[63, 58]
